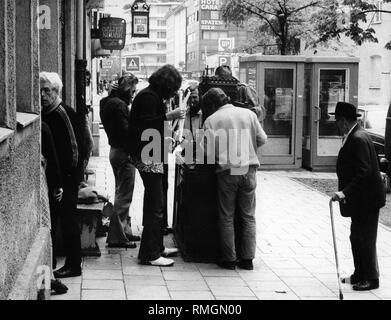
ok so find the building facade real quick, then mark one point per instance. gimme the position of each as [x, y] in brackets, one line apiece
[375, 61]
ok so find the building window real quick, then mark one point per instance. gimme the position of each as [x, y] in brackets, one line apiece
[161, 35]
[191, 56]
[191, 37]
[161, 46]
[161, 23]
[192, 18]
[377, 16]
[375, 74]
[161, 59]
[214, 35]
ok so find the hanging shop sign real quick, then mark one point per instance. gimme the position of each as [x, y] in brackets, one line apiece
[112, 33]
[140, 19]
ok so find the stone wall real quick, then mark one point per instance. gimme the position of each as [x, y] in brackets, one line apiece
[24, 242]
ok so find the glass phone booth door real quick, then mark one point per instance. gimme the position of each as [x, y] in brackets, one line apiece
[278, 91]
[332, 85]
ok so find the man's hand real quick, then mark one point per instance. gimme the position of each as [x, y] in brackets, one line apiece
[58, 194]
[339, 196]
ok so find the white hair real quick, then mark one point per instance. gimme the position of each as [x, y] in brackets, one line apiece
[53, 78]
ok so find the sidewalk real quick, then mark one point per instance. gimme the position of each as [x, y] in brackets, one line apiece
[295, 256]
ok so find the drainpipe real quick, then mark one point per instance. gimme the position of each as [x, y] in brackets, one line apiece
[81, 66]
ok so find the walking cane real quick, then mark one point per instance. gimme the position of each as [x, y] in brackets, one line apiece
[335, 249]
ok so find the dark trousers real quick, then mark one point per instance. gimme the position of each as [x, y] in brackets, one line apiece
[363, 235]
[66, 210]
[165, 191]
[151, 245]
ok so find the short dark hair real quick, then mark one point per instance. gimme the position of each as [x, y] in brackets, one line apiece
[213, 100]
[223, 71]
[166, 80]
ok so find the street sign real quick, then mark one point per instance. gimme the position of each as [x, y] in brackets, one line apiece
[226, 44]
[224, 60]
[132, 64]
[107, 64]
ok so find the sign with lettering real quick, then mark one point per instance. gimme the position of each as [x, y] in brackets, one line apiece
[112, 33]
[226, 44]
[224, 61]
[210, 5]
[132, 64]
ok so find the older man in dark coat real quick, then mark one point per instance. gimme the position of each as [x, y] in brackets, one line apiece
[361, 195]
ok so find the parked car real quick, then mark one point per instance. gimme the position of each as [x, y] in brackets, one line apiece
[373, 120]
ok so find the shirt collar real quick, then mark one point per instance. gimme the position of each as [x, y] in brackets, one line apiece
[348, 134]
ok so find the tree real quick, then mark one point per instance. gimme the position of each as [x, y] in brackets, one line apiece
[281, 21]
[282, 24]
[351, 18]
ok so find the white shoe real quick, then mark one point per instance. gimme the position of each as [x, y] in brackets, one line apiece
[161, 262]
[170, 252]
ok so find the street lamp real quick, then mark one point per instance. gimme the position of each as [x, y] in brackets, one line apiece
[140, 19]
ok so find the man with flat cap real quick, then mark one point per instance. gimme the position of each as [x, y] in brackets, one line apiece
[361, 195]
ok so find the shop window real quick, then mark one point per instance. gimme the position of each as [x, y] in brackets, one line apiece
[375, 74]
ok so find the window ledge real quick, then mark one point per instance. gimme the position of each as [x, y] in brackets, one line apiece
[374, 88]
[25, 119]
[5, 134]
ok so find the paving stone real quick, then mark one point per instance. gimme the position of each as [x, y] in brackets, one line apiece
[278, 286]
[148, 293]
[188, 285]
[225, 281]
[102, 275]
[103, 295]
[175, 275]
[103, 285]
[191, 295]
[144, 280]
[231, 291]
[271, 295]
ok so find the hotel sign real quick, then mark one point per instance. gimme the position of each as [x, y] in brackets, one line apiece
[213, 5]
[211, 15]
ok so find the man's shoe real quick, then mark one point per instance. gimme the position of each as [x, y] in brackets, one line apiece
[229, 265]
[127, 245]
[366, 285]
[161, 262]
[133, 238]
[66, 272]
[57, 287]
[246, 264]
[353, 279]
[170, 252]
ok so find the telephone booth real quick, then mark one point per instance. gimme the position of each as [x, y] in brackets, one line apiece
[327, 81]
[279, 83]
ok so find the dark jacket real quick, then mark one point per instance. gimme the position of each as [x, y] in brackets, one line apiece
[114, 113]
[49, 152]
[148, 112]
[359, 175]
[63, 142]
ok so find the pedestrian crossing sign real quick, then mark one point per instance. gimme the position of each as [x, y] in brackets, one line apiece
[132, 64]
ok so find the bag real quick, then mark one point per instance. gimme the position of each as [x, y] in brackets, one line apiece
[248, 98]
